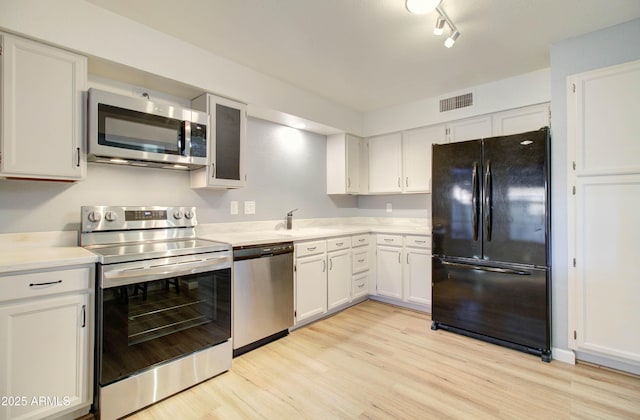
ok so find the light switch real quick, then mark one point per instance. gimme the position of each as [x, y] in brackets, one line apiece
[249, 207]
[233, 207]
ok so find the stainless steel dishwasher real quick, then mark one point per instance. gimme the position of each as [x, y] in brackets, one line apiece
[262, 295]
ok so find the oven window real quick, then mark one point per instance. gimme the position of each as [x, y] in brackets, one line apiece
[135, 130]
[149, 323]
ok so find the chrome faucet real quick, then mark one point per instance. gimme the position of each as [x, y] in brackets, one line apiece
[290, 219]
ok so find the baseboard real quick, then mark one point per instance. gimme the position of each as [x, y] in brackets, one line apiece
[562, 355]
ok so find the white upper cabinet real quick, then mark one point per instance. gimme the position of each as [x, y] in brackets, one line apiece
[469, 129]
[416, 157]
[227, 143]
[521, 120]
[385, 164]
[343, 164]
[41, 111]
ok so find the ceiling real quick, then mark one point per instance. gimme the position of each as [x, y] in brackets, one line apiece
[371, 54]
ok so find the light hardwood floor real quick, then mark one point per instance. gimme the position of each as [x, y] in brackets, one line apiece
[378, 361]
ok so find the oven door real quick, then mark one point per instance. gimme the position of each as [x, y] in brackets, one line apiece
[146, 323]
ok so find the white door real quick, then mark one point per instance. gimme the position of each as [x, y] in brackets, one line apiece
[603, 127]
[417, 275]
[389, 271]
[339, 278]
[385, 164]
[416, 156]
[311, 286]
[42, 111]
[44, 353]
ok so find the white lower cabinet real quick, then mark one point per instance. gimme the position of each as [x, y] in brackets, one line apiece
[46, 344]
[339, 278]
[403, 270]
[330, 275]
[311, 286]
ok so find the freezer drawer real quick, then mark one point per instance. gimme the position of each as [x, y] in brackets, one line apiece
[504, 303]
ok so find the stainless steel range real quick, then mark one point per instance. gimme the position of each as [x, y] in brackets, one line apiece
[163, 304]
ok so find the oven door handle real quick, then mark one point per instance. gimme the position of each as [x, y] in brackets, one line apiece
[136, 275]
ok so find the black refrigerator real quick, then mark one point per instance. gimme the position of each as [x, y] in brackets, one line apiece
[491, 240]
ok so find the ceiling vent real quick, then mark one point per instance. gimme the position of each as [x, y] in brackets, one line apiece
[456, 102]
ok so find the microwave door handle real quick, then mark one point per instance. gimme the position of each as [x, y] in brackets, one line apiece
[185, 138]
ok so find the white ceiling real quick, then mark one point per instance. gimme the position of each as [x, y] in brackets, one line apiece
[370, 54]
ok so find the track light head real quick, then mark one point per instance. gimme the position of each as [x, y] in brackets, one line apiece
[439, 28]
[452, 39]
[420, 7]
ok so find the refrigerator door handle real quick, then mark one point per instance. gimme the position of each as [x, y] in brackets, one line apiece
[487, 201]
[474, 201]
[484, 268]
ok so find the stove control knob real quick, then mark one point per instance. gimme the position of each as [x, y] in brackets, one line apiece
[111, 216]
[189, 214]
[95, 216]
[177, 214]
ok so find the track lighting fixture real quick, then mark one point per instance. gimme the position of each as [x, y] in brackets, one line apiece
[425, 6]
[439, 28]
[452, 39]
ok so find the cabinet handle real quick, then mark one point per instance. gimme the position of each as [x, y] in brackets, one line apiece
[361, 240]
[388, 240]
[48, 283]
[407, 181]
[348, 182]
[330, 264]
[77, 157]
[213, 170]
[312, 248]
[399, 182]
[420, 241]
[399, 260]
[339, 243]
[324, 266]
[361, 261]
[408, 259]
[84, 316]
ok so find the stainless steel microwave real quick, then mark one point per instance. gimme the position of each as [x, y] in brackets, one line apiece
[127, 130]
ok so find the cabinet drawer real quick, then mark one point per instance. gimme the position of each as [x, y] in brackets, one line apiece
[310, 248]
[360, 260]
[360, 285]
[418, 241]
[393, 240]
[343, 242]
[44, 283]
[360, 240]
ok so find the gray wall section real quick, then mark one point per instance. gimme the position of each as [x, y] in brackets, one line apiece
[286, 169]
[607, 47]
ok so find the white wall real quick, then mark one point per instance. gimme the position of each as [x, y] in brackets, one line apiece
[90, 30]
[284, 172]
[514, 92]
[603, 48]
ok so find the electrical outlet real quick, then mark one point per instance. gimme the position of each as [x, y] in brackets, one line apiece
[233, 207]
[249, 207]
[389, 208]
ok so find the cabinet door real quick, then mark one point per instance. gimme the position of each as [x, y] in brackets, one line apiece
[41, 129]
[416, 156]
[44, 352]
[339, 278]
[521, 120]
[227, 143]
[469, 129]
[353, 164]
[385, 164]
[389, 271]
[417, 275]
[311, 286]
